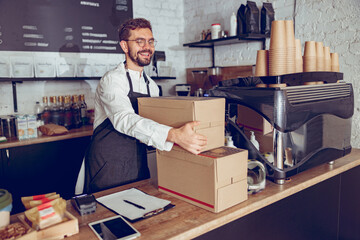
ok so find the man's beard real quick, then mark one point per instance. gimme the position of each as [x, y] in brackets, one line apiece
[141, 62]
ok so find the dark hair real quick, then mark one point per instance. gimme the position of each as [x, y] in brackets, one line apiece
[132, 24]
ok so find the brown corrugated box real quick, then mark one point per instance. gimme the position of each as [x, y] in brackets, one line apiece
[214, 180]
[253, 121]
[176, 111]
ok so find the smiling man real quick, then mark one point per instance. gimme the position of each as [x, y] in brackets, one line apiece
[117, 152]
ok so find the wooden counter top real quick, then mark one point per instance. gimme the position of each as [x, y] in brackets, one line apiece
[73, 133]
[187, 221]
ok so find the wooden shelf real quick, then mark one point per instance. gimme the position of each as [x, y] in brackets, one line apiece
[226, 41]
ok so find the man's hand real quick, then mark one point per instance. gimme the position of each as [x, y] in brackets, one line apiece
[186, 138]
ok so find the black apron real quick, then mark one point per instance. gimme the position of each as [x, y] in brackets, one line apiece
[113, 158]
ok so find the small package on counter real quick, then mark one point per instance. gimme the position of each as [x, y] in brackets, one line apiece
[42, 197]
[46, 214]
[53, 129]
[32, 126]
[21, 127]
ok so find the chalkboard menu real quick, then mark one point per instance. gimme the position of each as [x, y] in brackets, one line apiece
[62, 25]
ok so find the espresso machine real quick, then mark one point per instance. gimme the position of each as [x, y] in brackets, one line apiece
[311, 122]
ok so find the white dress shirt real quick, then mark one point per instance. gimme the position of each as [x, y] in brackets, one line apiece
[111, 101]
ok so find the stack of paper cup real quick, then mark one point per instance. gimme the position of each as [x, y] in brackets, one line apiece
[298, 56]
[320, 63]
[290, 46]
[327, 59]
[277, 51]
[262, 63]
[335, 62]
[309, 57]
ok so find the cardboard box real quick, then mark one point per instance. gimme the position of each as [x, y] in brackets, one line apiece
[214, 180]
[253, 121]
[176, 111]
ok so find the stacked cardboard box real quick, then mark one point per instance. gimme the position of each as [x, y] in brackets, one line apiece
[253, 121]
[215, 179]
[176, 111]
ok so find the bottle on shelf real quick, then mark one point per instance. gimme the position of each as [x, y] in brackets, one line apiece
[75, 109]
[253, 140]
[38, 110]
[83, 110]
[54, 110]
[67, 113]
[45, 116]
[233, 25]
[61, 110]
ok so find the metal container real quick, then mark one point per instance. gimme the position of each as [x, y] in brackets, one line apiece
[8, 126]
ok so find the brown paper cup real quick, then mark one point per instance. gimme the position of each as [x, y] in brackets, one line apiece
[277, 63]
[309, 64]
[298, 52]
[277, 85]
[309, 83]
[327, 59]
[261, 85]
[335, 67]
[290, 60]
[278, 35]
[262, 63]
[309, 49]
[319, 49]
[290, 35]
[334, 58]
[320, 61]
[299, 65]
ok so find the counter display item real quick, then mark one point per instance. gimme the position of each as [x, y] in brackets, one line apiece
[215, 30]
[84, 204]
[8, 126]
[5, 207]
[45, 67]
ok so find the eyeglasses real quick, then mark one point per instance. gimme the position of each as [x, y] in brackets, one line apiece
[141, 42]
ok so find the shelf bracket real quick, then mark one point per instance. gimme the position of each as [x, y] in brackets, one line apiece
[14, 94]
[213, 56]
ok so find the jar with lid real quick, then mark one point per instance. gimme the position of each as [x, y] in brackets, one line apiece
[215, 30]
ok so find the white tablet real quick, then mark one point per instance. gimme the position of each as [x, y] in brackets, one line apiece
[114, 228]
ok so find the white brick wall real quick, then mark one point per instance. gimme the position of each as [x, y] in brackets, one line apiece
[167, 19]
[335, 23]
